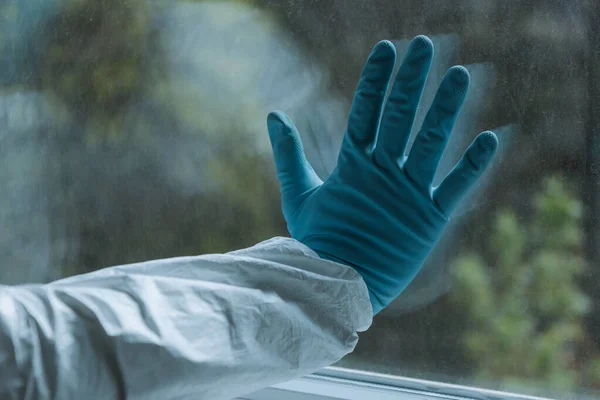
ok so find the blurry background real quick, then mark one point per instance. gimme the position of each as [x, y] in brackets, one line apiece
[132, 130]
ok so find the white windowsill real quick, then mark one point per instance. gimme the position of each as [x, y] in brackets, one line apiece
[343, 384]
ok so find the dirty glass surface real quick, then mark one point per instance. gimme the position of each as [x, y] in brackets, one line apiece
[133, 130]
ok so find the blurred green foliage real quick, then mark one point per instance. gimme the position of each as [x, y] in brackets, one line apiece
[522, 302]
[98, 52]
[100, 56]
[131, 113]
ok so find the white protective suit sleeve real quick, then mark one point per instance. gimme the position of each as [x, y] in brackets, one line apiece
[207, 327]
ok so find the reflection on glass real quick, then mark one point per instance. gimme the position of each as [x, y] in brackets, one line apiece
[136, 130]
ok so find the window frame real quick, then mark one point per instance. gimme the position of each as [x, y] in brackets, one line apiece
[335, 383]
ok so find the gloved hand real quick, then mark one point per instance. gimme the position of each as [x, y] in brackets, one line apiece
[378, 212]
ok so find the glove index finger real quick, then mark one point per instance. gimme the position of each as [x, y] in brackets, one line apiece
[367, 105]
[471, 166]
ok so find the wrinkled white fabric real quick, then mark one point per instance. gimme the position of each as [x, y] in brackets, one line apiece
[207, 327]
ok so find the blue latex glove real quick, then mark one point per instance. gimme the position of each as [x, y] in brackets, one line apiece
[378, 212]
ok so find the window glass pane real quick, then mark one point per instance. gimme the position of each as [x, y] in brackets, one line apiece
[134, 130]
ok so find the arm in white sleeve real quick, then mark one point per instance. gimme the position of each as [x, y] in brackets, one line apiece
[207, 327]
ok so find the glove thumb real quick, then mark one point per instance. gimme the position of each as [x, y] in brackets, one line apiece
[296, 177]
